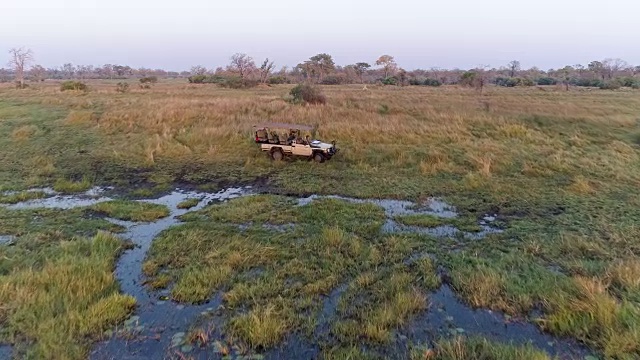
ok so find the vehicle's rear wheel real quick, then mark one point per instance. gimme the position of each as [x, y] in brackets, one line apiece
[318, 157]
[277, 154]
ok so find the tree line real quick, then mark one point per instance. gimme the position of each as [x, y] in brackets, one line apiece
[243, 71]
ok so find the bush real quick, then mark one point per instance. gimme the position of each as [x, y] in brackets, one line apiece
[235, 82]
[334, 80]
[122, 87]
[306, 93]
[149, 80]
[587, 82]
[513, 81]
[630, 82]
[391, 80]
[547, 81]
[278, 80]
[611, 85]
[197, 79]
[232, 82]
[432, 82]
[73, 85]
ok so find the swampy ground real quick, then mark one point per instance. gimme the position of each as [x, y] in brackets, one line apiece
[558, 172]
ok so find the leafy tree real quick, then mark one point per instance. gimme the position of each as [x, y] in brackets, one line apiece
[388, 63]
[514, 67]
[361, 68]
[265, 70]
[323, 63]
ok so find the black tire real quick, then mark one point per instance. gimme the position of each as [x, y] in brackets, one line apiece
[277, 155]
[318, 157]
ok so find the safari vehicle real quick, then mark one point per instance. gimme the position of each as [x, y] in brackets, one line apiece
[289, 139]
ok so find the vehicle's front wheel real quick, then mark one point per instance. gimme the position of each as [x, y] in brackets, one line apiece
[277, 155]
[318, 157]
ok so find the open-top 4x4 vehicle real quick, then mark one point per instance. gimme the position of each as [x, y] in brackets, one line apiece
[289, 139]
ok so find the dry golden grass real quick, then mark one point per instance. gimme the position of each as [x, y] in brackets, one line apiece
[79, 117]
[24, 132]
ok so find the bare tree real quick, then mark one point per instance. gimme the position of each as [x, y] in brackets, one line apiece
[198, 70]
[243, 64]
[265, 70]
[20, 60]
[38, 73]
[613, 66]
[388, 63]
[514, 67]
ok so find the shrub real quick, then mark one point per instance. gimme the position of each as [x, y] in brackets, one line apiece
[73, 85]
[278, 80]
[432, 82]
[197, 79]
[587, 82]
[526, 82]
[149, 80]
[334, 80]
[122, 87]
[235, 82]
[630, 82]
[547, 81]
[391, 80]
[307, 93]
[611, 85]
[512, 81]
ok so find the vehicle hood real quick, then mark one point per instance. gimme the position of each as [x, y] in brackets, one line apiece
[321, 145]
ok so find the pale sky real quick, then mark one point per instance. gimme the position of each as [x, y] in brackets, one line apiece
[175, 35]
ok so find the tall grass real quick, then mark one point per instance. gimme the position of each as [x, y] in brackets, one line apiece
[72, 298]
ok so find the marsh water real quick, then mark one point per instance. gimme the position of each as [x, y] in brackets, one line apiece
[158, 326]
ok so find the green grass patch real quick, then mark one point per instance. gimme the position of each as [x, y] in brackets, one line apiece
[461, 348]
[256, 208]
[131, 210]
[22, 196]
[36, 221]
[54, 310]
[189, 203]
[66, 186]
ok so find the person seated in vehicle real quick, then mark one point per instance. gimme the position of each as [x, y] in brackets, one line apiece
[274, 138]
[291, 138]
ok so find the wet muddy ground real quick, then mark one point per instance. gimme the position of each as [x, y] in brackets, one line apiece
[157, 328]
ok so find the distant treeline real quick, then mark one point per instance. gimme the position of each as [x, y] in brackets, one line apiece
[242, 71]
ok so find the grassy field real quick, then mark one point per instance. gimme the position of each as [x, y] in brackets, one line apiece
[561, 170]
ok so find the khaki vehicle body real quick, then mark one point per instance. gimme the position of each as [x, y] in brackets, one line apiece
[294, 140]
